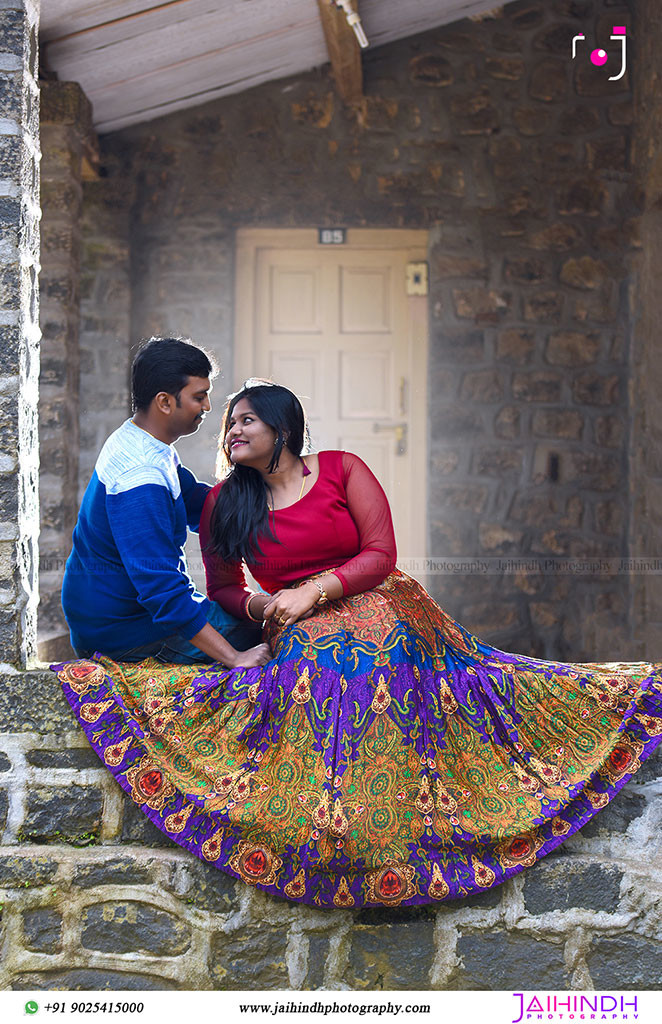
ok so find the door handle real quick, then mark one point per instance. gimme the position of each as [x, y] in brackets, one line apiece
[399, 429]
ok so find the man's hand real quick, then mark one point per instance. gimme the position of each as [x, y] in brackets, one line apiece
[254, 656]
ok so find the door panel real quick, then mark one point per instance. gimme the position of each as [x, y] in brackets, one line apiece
[335, 324]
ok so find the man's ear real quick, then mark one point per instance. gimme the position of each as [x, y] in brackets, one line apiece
[164, 402]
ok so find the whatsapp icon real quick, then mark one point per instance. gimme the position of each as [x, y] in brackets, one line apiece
[31, 1006]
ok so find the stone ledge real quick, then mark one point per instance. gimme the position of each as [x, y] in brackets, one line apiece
[32, 701]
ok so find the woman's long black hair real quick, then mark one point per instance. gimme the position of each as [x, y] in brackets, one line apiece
[241, 515]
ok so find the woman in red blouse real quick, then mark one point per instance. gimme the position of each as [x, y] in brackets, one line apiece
[291, 516]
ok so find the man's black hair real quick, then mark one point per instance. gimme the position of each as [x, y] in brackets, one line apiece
[165, 364]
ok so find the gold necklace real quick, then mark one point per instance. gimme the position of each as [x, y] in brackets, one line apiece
[303, 484]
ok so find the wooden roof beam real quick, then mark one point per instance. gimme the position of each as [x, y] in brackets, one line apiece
[344, 51]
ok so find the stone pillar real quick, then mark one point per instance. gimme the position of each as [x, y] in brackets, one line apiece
[646, 384]
[69, 151]
[19, 329]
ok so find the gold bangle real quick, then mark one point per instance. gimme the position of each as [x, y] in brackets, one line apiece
[247, 609]
[324, 597]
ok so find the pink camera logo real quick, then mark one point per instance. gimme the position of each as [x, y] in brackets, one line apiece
[600, 57]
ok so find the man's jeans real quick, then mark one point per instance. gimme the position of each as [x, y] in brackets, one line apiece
[175, 648]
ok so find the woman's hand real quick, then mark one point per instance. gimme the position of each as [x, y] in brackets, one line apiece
[288, 606]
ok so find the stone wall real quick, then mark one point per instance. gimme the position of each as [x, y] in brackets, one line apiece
[105, 329]
[518, 163]
[19, 329]
[68, 143]
[96, 897]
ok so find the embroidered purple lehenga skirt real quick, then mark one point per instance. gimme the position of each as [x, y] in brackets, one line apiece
[384, 757]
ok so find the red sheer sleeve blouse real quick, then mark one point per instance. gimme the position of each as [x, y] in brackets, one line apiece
[343, 523]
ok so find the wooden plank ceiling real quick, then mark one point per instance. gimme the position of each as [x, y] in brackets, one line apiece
[141, 59]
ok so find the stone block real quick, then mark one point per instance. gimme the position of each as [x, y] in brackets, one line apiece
[579, 120]
[112, 871]
[537, 386]
[584, 196]
[565, 883]
[607, 154]
[557, 237]
[67, 814]
[501, 462]
[452, 422]
[4, 807]
[489, 899]
[498, 960]
[392, 955]
[33, 702]
[25, 871]
[10, 285]
[617, 815]
[600, 306]
[475, 114]
[507, 42]
[42, 930]
[592, 81]
[318, 951]
[565, 423]
[71, 757]
[430, 69]
[650, 771]
[609, 518]
[506, 164]
[596, 389]
[5, 763]
[621, 114]
[481, 304]
[83, 979]
[507, 423]
[498, 540]
[515, 346]
[463, 498]
[482, 386]
[625, 962]
[595, 471]
[524, 271]
[555, 38]
[133, 927]
[467, 347]
[10, 212]
[137, 828]
[251, 958]
[532, 120]
[509, 69]
[584, 272]
[572, 348]
[203, 886]
[543, 307]
[549, 81]
[448, 264]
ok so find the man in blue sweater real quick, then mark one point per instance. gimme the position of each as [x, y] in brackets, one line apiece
[127, 591]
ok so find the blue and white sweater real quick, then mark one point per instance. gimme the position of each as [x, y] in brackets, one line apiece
[126, 582]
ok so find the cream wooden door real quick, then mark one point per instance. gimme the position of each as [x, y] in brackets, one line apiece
[335, 324]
